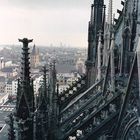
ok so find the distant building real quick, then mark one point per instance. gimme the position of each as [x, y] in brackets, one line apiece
[37, 79]
[34, 57]
[9, 72]
[8, 89]
[8, 63]
[14, 86]
[80, 66]
[66, 79]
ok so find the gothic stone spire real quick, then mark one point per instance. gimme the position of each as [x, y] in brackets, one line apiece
[95, 24]
[25, 100]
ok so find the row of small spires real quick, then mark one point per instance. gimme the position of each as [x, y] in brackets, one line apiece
[110, 12]
[109, 21]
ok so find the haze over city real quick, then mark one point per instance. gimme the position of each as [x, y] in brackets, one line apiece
[46, 21]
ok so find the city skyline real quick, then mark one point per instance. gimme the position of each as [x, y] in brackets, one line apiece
[47, 22]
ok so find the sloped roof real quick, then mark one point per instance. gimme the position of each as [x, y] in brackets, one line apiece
[7, 69]
[2, 79]
[33, 50]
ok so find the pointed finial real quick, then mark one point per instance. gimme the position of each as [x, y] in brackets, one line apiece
[112, 28]
[110, 7]
[100, 35]
[44, 69]
[25, 40]
[92, 15]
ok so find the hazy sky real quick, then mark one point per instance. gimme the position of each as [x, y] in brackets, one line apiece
[46, 21]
